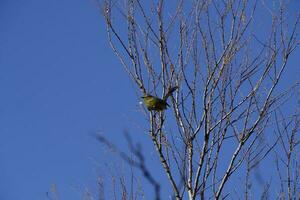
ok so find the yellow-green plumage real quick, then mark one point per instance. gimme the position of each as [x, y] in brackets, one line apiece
[157, 104]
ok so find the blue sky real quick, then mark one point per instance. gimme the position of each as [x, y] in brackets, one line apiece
[60, 83]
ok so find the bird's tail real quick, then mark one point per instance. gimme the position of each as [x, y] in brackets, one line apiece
[171, 90]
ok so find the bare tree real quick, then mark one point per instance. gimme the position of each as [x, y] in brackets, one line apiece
[227, 73]
[287, 155]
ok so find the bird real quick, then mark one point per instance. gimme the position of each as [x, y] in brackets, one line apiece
[156, 103]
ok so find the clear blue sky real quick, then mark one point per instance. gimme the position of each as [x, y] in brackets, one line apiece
[59, 84]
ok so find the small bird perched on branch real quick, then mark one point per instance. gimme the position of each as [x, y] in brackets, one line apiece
[157, 104]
